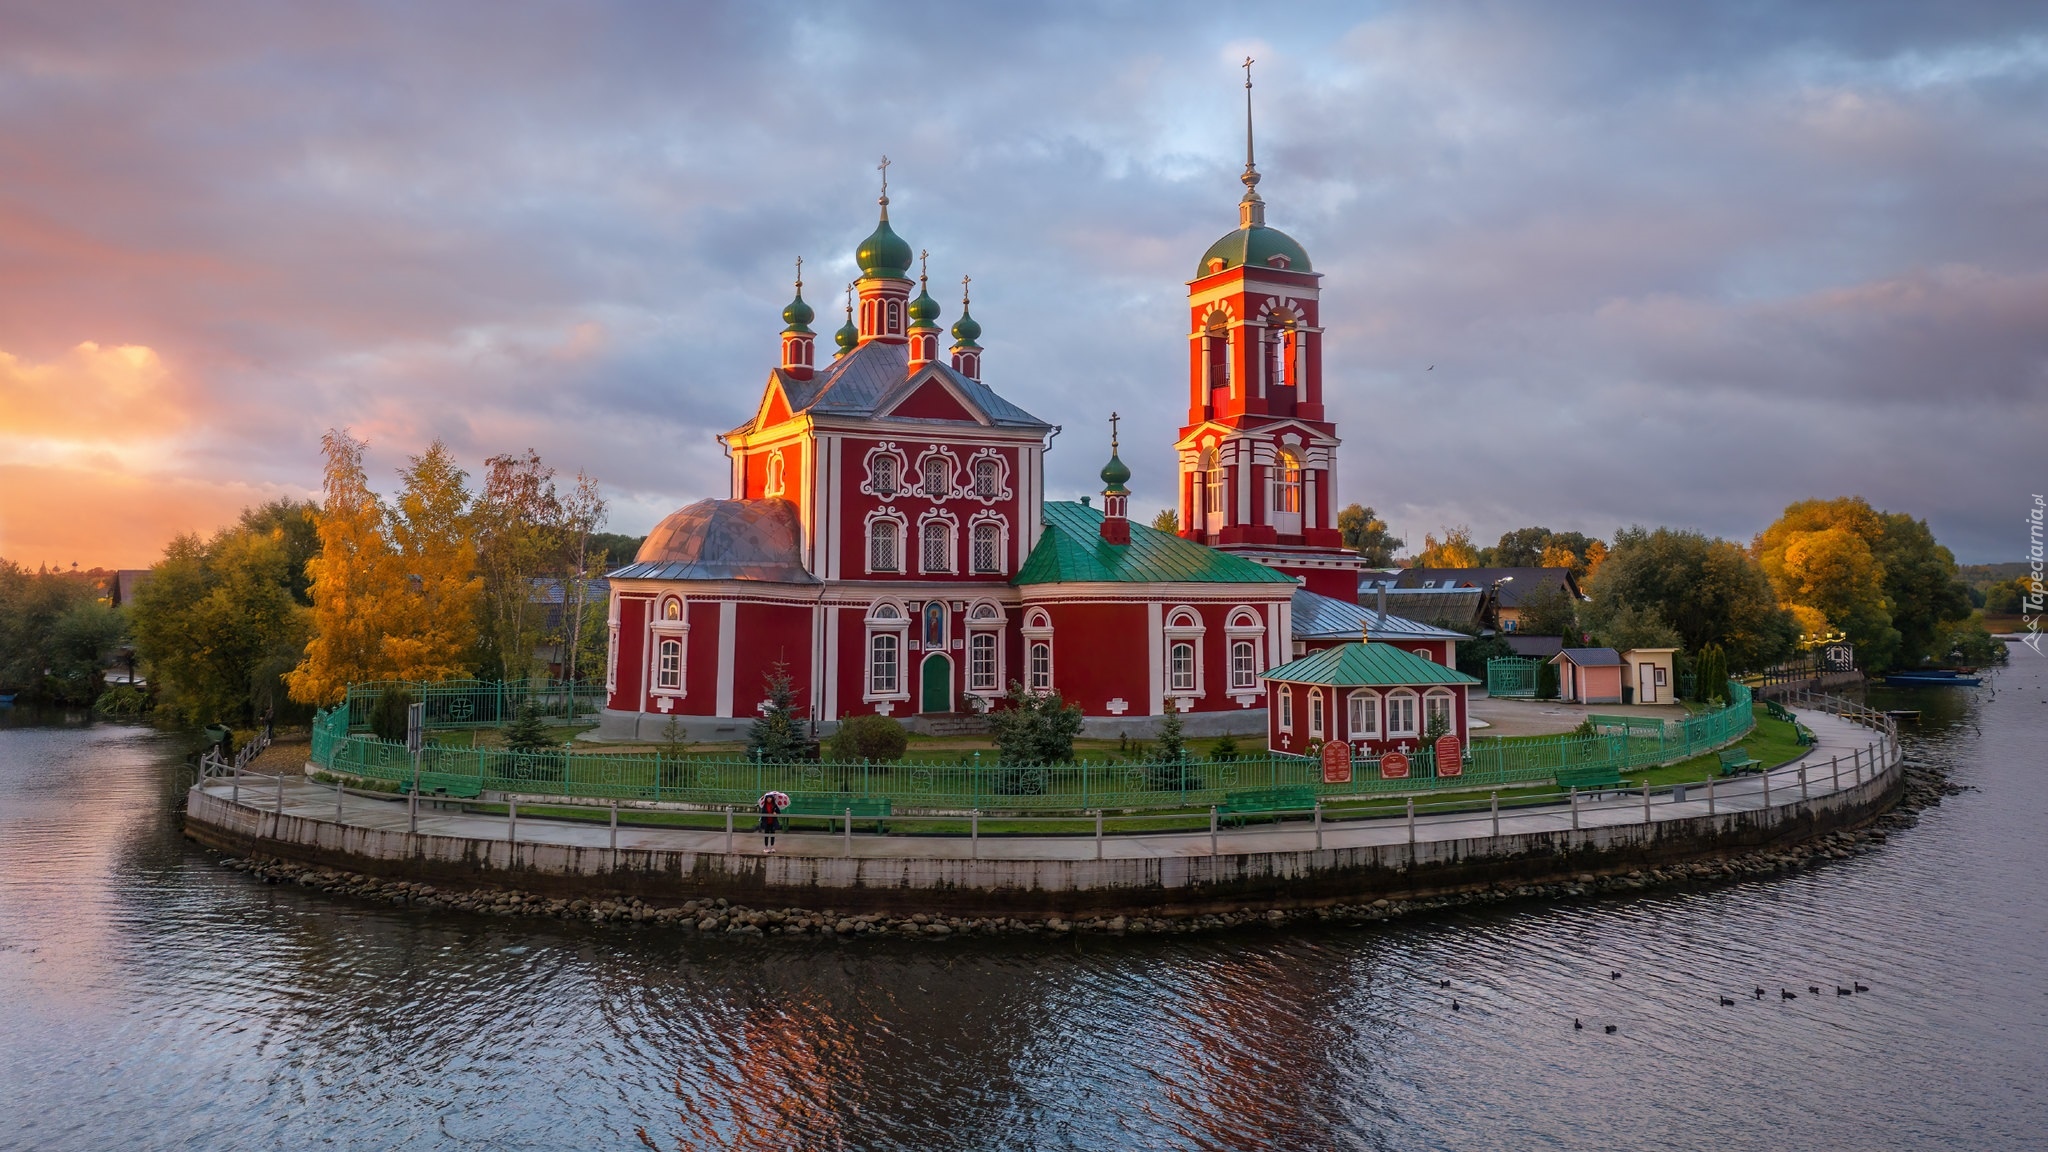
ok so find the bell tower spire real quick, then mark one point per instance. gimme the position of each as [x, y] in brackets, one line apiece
[1251, 211]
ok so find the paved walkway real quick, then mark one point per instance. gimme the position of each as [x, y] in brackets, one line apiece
[1842, 757]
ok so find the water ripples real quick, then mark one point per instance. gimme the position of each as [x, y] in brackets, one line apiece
[158, 1000]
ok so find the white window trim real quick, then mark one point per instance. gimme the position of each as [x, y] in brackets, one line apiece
[1002, 526]
[944, 456]
[985, 618]
[1371, 700]
[1318, 715]
[876, 624]
[1244, 625]
[1413, 729]
[659, 629]
[867, 541]
[1286, 695]
[1188, 633]
[952, 523]
[1450, 700]
[777, 479]
[867, 481]
[1038, 629]
[1002, 463]
[995, 647]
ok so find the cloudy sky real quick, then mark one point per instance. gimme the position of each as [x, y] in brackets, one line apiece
[1674, 264]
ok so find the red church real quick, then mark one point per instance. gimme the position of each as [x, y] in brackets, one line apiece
[887, 539]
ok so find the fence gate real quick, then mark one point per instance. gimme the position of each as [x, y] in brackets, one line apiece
[1512, 675]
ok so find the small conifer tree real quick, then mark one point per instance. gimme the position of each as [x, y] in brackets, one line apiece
[528, 731]
[778, 736]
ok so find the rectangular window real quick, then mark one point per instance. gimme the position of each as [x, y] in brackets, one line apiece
[1365, 716]
[938, 547]
[1181, 659]
[1401, 715]
[882, 546]
[670, 674]
[981, 662]
[1214, 484]
[985, 477]
[988, 552]
[1286, 709]
[1041, 666]
[1244, 672]
[883, 476]
[1315, 712]
[882, 664]
[935, 477]
[1439, 712]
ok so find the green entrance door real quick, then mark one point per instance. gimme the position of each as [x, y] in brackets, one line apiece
[938, 685]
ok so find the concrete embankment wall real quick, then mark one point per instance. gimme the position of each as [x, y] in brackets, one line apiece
[1174, 885]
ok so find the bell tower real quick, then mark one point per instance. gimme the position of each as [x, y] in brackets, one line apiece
[1258, 461]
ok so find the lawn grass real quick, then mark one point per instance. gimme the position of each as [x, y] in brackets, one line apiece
[1772, 743]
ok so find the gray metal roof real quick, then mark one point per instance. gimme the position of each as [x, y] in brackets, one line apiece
[1592, 657]
[724, 540]
[875, 374]
[1319, 617]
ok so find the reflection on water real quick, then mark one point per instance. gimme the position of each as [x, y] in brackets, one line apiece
[155, 1000]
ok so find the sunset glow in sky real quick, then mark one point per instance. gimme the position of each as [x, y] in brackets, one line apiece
[1672, 264]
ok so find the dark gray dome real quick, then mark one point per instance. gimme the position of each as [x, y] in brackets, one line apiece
[724, 540]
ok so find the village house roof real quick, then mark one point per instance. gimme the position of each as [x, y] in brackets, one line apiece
[1516, 585]
[1534, 647]
[1319, 617]
[724, 540]
[1366, 666]
[1072, 550]
[1589, 657]
[1458, 606]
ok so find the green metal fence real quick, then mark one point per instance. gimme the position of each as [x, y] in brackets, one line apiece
[981, 782]
[1513, 675]
[477, 703]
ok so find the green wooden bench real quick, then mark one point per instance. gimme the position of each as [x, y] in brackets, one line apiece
[1589, 779]
[1737, 760]
[1778, 711]
[445, 784]
[1256, 801]
[831, 806]
[1804, 735]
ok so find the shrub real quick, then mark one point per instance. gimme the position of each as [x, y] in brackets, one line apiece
[1035, 729]
[1226, 750]
[387, 715]
[124, 701]
[527, 732]
[869, 737]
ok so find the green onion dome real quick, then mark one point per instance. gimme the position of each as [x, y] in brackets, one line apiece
[847, 336]
[1114, 475]
[923, 310]
[883, 254]
[966, 330]
[799, 314]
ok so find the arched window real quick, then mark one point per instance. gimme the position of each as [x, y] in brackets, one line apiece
[774, 485]
[988, 547]
[938, 546]
[981, 662]
[1041, 666]
[669, 670]
[1365, 716]
[882, 474]
[1244, 665]
[1276, 357]
[1217, 346]
[1286, 708]
[885, 546]
[1315, 712]
[1437, 713]
[988, 477]
[935, 480]
[895, 317]
[883, 664]
[1287, 482]
[1401, 715]
[1181, 662]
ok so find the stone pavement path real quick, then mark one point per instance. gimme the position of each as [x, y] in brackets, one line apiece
[1842, 755]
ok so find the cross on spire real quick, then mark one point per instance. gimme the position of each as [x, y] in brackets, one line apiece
[884, 167]
[799, 274]
[1113, 418]
[922, 255]
[1251, 171]
[963, 290]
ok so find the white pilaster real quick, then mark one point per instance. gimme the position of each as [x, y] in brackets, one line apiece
[1155, 658]
[728, 626]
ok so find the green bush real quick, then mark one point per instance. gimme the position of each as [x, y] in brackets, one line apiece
[123, 701]
[869, 737]
[528, 732]
[387, 715]
[1035, 729]
[1226, 750]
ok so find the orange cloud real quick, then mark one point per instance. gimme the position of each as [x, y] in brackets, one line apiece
[92, 396]
[53, 514]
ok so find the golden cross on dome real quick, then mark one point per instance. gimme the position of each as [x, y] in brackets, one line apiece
[922, 254]
[884, 166]
[799, 273]
[963, 289]
[1113, 418]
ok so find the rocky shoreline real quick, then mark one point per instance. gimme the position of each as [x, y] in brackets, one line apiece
[1925, 783]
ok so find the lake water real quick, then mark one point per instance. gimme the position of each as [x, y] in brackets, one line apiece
[150, 998]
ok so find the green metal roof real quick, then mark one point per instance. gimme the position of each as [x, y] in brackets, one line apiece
[1255, 245]
[1366, 665]
[1073, 550]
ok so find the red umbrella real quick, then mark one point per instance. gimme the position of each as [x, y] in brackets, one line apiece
[779, 799]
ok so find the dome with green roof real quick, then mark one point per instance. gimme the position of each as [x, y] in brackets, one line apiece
[847, 336]
[1115, 475]
[924, 310]
[799, 314]
[1255, 245]
[883, 254]
[966, 330]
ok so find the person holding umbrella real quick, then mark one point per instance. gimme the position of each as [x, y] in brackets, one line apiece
[772, 804]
